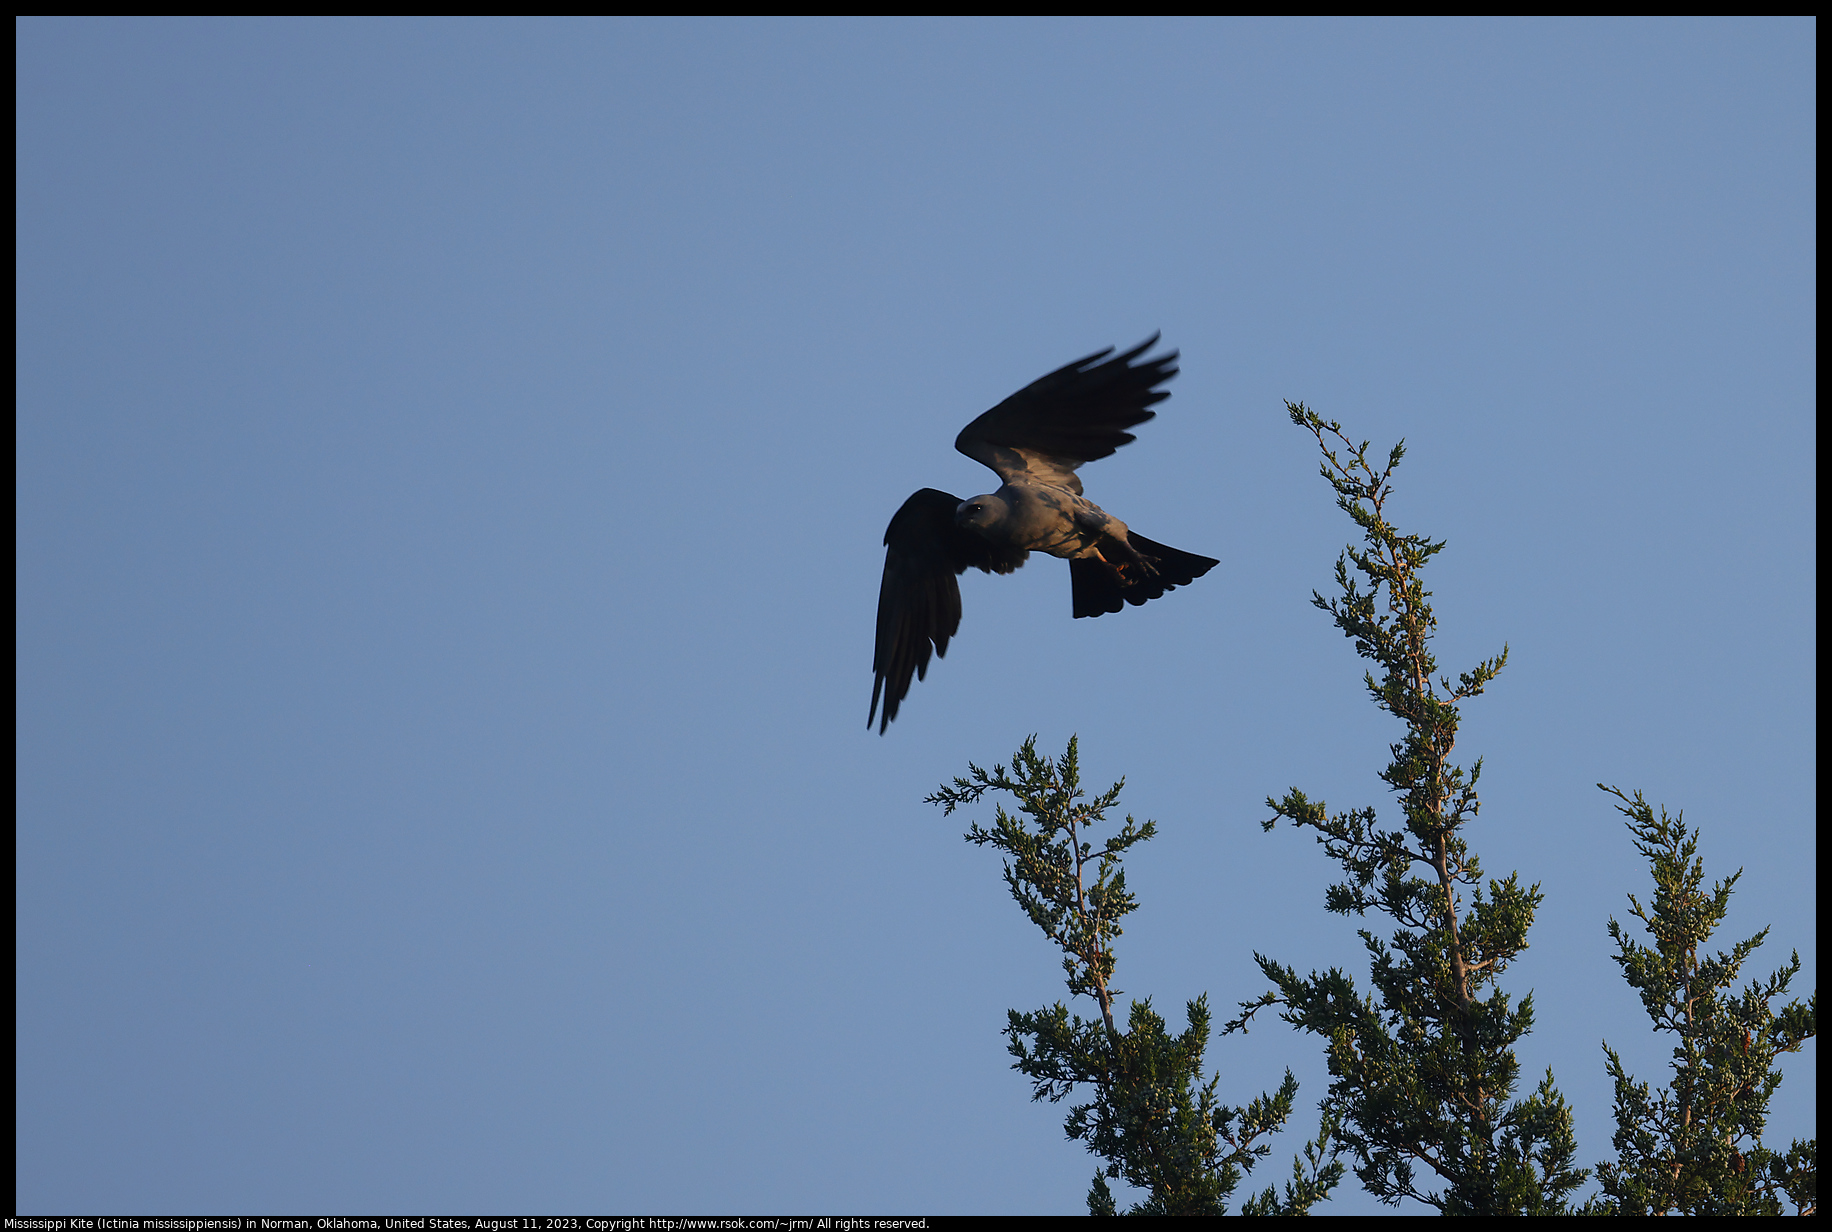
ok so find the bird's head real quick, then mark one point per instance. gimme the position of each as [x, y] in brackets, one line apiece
[980, 512]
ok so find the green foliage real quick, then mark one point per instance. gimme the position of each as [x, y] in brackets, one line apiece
[1423, 1071]
[1150, 1114]
[1696, 1147]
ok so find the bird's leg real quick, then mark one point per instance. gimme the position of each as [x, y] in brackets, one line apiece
[1106, 536]
[1132, 565]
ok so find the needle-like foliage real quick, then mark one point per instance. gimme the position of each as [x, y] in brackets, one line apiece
[1423, 1070]
[1695, 1148]
[1149, 1112]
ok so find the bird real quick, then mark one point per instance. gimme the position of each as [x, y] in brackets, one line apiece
[1034, 441]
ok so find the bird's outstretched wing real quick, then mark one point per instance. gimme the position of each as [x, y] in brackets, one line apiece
[1076, 414]
[919, 604]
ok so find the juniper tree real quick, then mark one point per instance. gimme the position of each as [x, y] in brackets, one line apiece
[1423, 1070]
[1148, 1111]
[1696, 1147]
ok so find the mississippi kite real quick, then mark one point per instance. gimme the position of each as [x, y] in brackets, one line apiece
[1033, 440]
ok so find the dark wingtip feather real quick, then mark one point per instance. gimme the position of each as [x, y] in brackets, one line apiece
[919, 602]
[1079, 412]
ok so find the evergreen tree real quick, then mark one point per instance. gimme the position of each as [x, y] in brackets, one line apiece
[1696, 1147]
[1423, 1071]
[1149, 1113]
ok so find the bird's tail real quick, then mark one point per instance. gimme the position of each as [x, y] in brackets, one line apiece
[1100, 587]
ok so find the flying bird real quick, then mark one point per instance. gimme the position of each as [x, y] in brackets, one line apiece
[1034, 441]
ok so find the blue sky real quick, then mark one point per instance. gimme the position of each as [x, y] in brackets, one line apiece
[452, 462]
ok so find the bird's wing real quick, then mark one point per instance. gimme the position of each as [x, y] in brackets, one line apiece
[1076, 414]
[919, 603]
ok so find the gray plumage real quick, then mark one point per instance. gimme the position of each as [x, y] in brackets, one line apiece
[1034, 441]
